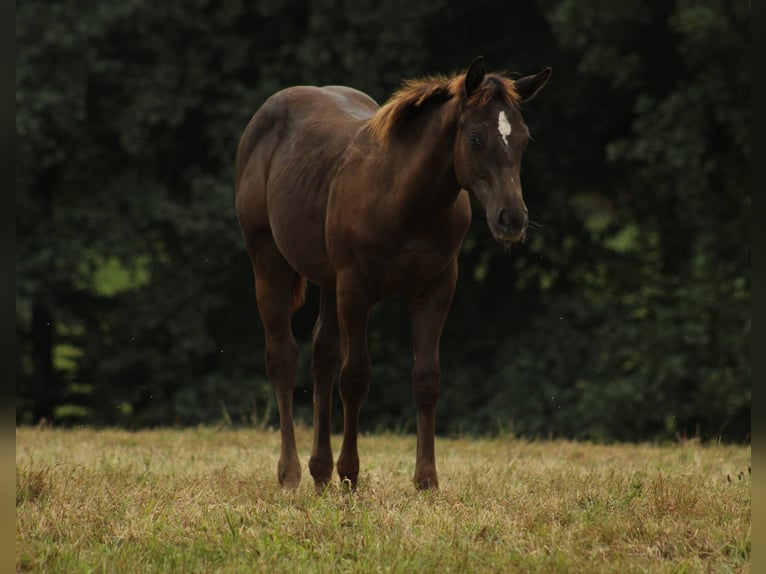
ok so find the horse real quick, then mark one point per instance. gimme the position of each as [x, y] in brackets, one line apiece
[366, 202]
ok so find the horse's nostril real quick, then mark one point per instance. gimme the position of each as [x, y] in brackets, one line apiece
[512, 221]
[505, 218]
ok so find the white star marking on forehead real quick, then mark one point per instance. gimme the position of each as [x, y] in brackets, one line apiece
[503, 126]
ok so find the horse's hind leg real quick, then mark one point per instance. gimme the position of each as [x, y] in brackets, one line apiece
[354, 382]
[274, 283]
[324, 366]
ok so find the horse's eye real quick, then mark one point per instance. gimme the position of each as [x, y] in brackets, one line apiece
[474, 140]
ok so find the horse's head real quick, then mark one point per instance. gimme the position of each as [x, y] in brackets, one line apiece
[490, 141]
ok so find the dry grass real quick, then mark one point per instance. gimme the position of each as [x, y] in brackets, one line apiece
[206, 500]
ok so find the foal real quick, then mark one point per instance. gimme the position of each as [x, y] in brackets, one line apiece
[366, 202]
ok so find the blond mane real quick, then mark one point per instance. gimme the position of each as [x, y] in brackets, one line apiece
[416, 93]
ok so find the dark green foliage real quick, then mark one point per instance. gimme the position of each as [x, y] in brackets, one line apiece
[624, 317]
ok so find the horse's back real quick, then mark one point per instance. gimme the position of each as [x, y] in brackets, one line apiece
[352, 102]
[286, 159]
[300, 114]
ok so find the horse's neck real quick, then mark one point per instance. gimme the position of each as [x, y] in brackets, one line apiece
[426, 178]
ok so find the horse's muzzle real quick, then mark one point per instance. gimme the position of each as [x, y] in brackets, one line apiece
[510, 225]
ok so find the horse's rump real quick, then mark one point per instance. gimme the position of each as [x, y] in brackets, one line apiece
[286, 159]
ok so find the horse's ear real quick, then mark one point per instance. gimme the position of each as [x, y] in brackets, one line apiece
[528, 86]
[474, 76]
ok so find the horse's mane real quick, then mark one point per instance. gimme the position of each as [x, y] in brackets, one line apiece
[418, 93]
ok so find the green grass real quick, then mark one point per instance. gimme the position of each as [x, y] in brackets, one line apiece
[206, 500]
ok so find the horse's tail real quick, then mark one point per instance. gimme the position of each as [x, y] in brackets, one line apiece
[299, 292]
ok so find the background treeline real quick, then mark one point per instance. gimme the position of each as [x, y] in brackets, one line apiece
[625, 316]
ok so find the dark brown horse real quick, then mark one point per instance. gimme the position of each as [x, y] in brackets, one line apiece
[366, 202]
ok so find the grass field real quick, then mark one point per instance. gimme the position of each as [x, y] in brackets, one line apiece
[206, 500]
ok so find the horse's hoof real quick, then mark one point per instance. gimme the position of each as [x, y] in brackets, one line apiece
[321, 472]
[348, 483]
[426, 482]
[290, 483]
[321, 486]
[289, 476]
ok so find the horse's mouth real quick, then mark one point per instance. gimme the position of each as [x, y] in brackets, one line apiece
[505, 238]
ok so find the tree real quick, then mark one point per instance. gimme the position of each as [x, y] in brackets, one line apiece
[624, 316]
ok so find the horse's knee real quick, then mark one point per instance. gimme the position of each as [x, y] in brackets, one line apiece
[281, 359]
[324, 361]
[425, 385]
[354, 382]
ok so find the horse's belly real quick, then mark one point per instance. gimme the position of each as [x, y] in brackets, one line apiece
[302, 244]
[310, 260]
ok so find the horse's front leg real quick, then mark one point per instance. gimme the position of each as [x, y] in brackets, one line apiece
[354, 382]
[429, 310]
